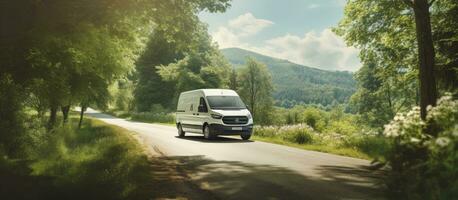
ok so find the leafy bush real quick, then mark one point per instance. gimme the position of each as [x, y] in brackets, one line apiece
[315, 118]
[300, 134]
[371, 144]
[424, 158]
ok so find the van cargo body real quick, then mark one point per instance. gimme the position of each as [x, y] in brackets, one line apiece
[213, 112]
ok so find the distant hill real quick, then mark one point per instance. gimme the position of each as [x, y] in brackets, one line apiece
[298, 84]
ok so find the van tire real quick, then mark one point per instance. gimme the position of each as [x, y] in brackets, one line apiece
[181, 133]
[207, 133]
[245, 136]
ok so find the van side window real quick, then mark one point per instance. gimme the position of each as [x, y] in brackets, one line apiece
[202, 105]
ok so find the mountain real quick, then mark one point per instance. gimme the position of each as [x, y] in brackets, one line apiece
[297, 84]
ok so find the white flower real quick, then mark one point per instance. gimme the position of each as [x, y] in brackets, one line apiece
[442, 141]
[414, 140]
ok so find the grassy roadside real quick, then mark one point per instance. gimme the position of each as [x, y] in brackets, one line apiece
[98, 161]
[314, 147]
[359, 145]
[148, 117]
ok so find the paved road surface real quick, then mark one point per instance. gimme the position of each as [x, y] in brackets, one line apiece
[235, 169]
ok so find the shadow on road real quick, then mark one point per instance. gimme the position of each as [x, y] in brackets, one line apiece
[238, 180]
[218, 139]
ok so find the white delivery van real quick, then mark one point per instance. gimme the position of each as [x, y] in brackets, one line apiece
[213, 112]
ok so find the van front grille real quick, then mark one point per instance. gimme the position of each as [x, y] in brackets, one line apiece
[235, 119]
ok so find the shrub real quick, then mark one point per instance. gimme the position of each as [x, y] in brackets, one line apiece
[343, 126]
[300, 133]
[424, 157]
[315, 118]
[373, 145]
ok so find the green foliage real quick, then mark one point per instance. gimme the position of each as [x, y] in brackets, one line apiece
[296, 84]
[255, 89]
[314, 117]
[424, 156]
[11, 123]
[384, 31]
[334, 131]
[179, 55]
[195, 71]
[299, 134]
[98, 161]
[359, 144]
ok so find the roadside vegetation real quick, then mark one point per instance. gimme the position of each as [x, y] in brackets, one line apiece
[96, 161]
[327, 131]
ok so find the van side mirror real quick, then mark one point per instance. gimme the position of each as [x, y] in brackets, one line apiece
[202, 108]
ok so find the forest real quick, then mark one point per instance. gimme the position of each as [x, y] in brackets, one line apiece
[132, 58]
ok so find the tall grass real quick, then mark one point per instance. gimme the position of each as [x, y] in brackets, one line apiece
[366, 146]
[99, 161]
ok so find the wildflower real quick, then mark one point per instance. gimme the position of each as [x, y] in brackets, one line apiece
[414, 140]
[429, 107]
[442, 141]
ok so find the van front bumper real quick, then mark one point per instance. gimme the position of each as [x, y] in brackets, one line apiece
[219, 129]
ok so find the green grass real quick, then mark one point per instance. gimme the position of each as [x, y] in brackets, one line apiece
[316, 147]
[98, 161]
[148, 117]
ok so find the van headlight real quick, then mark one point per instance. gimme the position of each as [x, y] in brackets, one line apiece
[249, 116]
[216, 116]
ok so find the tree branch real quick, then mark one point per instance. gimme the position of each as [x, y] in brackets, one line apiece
[431, 3]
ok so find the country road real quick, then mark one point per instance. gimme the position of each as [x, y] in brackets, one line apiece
[231, 168]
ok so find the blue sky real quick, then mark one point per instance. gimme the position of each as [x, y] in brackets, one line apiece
[297, 30]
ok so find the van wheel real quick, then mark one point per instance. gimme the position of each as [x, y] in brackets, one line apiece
[180, 131]
[207, 134]
[245, 136]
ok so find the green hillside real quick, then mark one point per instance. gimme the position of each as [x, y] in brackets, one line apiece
[298, 84]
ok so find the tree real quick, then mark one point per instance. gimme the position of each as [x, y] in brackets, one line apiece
[233, 79]
[426, 55]
[62, 44]
[390, 35]
[198, 65]
[256, 89]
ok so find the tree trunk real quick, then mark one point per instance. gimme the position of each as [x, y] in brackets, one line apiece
[83, 108]
[52, 117]
[65, 111]
[428, 91]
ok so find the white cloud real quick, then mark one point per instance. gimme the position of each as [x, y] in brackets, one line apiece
[248, 25]
[323, 50]
[242, 27]
[226, 38]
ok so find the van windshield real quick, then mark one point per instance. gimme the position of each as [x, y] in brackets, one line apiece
[225, 102]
